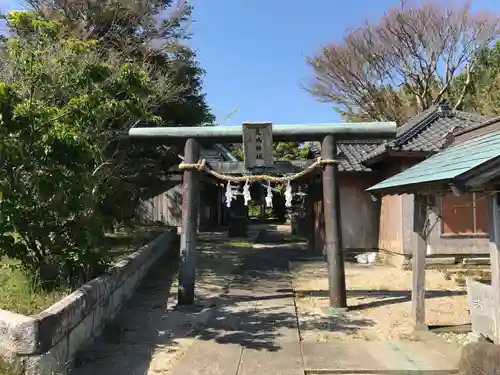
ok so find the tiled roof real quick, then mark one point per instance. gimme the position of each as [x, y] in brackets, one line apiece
[426, 131]
[216, 153]
[353, 154]
[211, 155]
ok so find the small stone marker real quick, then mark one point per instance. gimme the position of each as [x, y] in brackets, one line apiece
[480, 303]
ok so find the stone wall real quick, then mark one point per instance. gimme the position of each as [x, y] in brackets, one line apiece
[46, 344]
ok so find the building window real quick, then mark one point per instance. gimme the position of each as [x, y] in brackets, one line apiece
[464, 214]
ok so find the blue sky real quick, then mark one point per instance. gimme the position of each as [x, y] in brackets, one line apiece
[254, 52]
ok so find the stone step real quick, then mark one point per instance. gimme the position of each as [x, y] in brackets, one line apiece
[286, 359]
[380, 357]
[476, 261]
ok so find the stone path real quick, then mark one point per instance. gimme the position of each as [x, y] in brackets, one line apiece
[252, 331]
[148, 334]
[255, 332]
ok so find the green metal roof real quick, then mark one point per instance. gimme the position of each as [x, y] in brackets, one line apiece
[448, 164]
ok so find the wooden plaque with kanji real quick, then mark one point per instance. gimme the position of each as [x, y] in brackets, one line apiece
[258, 144]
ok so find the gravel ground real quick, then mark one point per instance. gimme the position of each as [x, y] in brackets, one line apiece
[379, 300]
[458, 339]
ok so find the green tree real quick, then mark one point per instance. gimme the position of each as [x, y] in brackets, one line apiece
[484, 95]
[281, 151]
[291, 151]
[63, 105]
[150, 34]
[144, 31]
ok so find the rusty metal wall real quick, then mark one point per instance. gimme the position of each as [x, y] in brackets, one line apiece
[442, 244]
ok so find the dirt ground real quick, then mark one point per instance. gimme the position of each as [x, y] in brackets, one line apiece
[379, 301]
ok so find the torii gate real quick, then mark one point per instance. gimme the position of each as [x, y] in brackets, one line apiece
[328, 134]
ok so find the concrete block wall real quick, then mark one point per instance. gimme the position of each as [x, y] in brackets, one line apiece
[46, 344]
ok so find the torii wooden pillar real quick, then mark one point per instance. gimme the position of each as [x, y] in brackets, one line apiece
[333, 228]
[189, 225]
[329, 134]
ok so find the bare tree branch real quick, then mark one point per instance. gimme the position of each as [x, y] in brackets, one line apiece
[411, 56]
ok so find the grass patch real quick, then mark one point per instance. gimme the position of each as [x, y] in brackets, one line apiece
[19, 294]
[7, 368]
[460, 277]
[125, 242]
[239, 244]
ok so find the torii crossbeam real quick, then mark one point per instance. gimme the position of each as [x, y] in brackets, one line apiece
[329, 134]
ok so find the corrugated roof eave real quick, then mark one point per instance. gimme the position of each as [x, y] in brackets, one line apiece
[446, 165]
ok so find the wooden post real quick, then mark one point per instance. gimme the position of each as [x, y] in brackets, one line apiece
[190, 210]
[310, 216]
[494, 230]
[262, 212]
[220, 220]
[418, 264]
[333, 230]
[238, 224]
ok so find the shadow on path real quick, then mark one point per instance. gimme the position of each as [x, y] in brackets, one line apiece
[259, 310]
[257, 313]
[127, 344]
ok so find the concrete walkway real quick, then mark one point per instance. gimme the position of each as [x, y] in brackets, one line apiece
[255, 332]
[252, 331]
[149, 334]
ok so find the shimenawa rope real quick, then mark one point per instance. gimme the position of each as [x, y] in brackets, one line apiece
[202, 167]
